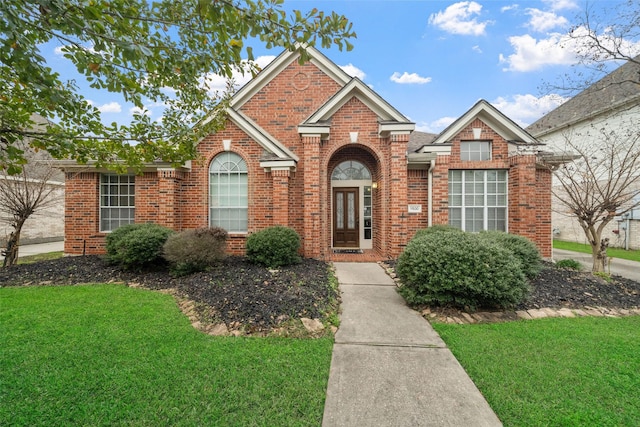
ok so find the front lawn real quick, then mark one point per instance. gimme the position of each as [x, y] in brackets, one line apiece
[554, 372]
[112, 355]
[632, 255]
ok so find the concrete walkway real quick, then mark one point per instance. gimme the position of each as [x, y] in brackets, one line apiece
[389, 367]
[620, 267]
[38, 248]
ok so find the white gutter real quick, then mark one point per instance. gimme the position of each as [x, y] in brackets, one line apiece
[432, 165]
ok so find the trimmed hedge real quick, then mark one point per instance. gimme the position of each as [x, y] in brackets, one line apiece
[524, 249]
[274, 247]
[462, 270]
[192, 251]
[135, 246]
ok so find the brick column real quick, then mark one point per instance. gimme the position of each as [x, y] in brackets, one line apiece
[311, 197]
[544, 237]
[280, 182]
[523, 196]
[168, 193]
[397, 191]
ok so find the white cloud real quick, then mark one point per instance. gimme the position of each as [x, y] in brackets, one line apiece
[407, 78]
[559, 49]
[544, 21]
[532, 54]
[476, 48]
[459, 19]
[436, 126]
[508, 8]
[111, 107]
[561, 4]
[353, 71]
[217, 83]
[526, 109]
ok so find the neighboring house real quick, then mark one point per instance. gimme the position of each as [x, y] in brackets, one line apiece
[309, 147]
[612, 104]
[47, 223]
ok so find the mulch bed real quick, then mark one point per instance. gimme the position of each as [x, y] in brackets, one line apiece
[233, 292]
[238, 292]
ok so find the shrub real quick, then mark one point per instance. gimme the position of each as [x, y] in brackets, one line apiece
[571, 264]
[274, 247]
[194, 250]
[460, 270]
[438, 228]
[524, 249]
[135, 246]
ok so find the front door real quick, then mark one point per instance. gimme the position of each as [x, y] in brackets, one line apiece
[346, 218]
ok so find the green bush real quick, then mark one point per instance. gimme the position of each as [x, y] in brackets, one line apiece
[135, 246]
[569, 263]
[438, 228]
[274, 247]
[194, 250]
[460, 270]
[524, 249]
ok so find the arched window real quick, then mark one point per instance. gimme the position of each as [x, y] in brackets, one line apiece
[228, 193]
[350, 170]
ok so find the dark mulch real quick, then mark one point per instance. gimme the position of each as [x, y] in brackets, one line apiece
[559, 287]
[235, 291]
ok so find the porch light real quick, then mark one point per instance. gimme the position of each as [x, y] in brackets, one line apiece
[354, 137]
[374, 185]
[226, 144]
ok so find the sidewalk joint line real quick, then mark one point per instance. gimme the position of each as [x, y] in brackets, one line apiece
[377, 344]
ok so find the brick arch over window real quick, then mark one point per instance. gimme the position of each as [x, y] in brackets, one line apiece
[357, 153]
[228, 192]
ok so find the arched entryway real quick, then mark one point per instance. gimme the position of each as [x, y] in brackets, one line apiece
[353, 203]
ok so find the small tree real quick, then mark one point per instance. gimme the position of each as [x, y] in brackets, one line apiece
[602, 183]
[24, 195]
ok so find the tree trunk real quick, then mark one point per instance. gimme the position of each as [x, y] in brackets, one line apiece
[599, 256]
[13, 245]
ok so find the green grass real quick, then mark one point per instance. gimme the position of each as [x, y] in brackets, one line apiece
[632, 255]
[110, 355]
[30, 259]
[554, 372]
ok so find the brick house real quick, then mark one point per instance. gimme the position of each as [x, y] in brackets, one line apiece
[309, 147]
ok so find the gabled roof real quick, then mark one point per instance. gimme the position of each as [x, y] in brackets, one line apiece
[281, 62]
[617, 89]
[490, 115]
[261, 136]
[364, 93]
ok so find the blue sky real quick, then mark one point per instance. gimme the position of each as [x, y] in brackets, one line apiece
[432, 60]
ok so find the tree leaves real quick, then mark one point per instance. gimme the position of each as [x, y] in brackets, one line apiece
[155, 52]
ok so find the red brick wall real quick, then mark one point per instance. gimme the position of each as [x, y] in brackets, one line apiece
[82, 192]
[301, 199]
[529, 206]
[417, 193]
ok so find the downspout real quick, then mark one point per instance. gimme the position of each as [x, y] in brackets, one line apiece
[432, 165]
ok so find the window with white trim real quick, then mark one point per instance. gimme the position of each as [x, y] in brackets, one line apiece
[117, 201]
[228, 193]
[478, 199]
[475, 150]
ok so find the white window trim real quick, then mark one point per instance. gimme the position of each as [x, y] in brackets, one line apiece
[210, 207]
[101, 206]
[485, 206]
[469, 143]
